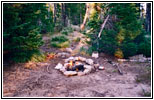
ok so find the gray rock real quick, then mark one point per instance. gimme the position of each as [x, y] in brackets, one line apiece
[95, 55]
[76, 58]
[96, 65]
[70, 73]
[82, 58]
[59, 66]
[101, 68]
[62, 69]
[65, 65]
[87, 71]
[87, 67]
[122, 60]
[89, 61]
[81, 73]
[63, 54]
[69, 59]
[69, 50]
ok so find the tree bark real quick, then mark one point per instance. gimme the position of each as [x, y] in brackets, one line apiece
[102, 27]
[63, 14]
[54, 12]
[80, 14]
[148, 17]
[86, 16]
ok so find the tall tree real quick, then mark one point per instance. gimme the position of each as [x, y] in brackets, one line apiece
[63, 11]
[54, 12]
[22, 24]
[148, 17]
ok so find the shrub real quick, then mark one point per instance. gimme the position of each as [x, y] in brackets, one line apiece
[129, 49]
[59, 39]
[38, 57]
[77, 39]
[118, 53]
[145, 49]
[66, 30]
[60, 42]
[84, 51]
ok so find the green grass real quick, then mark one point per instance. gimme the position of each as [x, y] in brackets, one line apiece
[60, 44]
[66, 30]
[77, 39]
[38, 57]
[59, 39]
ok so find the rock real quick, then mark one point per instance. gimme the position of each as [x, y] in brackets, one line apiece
[87, 71]
[76, 58]
[122, 60]
[81, 73]
[69, 50]
[63, 69]
[59, 66]
[66, 65]
[101, 67]
[66, 60]
[133, 60]
[96, 65]
[69, 59]
[89, 61]
[149, 59]
[82, 58]
[141, 60]
[87, 67]
[70, 73]
[63, 54]
[95, 55]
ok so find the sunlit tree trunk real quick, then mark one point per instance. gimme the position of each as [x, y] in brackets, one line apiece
[86, 16]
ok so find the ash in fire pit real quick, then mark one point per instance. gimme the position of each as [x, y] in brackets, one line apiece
[76, 66]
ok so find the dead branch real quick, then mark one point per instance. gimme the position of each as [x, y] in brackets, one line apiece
[102, 27]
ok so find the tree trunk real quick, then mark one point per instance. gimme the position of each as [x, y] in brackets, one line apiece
[148, 17]
[102, 27]
[86, 16]
[54, 12]
[63, 14]
[80, 14]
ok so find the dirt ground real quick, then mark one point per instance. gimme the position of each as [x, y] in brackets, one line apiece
[45, 81]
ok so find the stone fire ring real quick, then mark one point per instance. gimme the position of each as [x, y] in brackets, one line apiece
[88, 66]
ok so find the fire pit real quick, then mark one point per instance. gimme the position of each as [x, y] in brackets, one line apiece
[76, 66]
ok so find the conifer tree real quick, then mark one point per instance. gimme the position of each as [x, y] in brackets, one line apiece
[22, 25]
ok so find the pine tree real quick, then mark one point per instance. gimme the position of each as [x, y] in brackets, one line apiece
[121, 29]
[22, 26]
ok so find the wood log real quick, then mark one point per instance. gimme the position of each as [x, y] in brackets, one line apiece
[102, 26]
